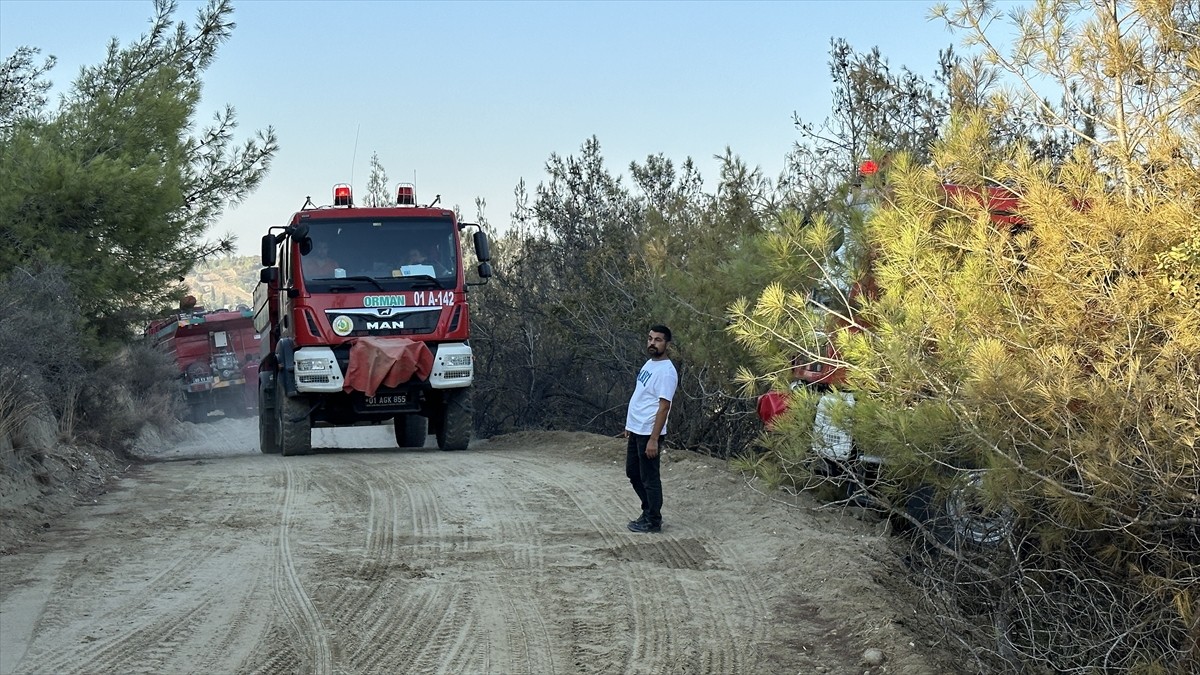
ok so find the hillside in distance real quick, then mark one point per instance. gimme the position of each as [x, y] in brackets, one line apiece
[225, 282]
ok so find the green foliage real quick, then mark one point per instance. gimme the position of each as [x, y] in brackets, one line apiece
[556, 331]
[224, 281]
[1059, 355]
[22, 87]
[115, 186]
[589, 267]
[378, 193]
[872, 108]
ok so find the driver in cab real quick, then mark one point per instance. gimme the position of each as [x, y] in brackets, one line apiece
[424, 260]
[319, 263]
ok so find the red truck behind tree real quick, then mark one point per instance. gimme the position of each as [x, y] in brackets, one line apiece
[825, 370]
[956, 517]
[363, 319]
[216, 353]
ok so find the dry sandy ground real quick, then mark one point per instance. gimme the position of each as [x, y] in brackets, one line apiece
[511, 557]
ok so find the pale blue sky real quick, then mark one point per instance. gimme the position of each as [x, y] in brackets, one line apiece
[474, 96]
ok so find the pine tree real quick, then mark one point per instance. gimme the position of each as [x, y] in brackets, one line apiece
[114, 185]
[377, 185]
[1054, 363]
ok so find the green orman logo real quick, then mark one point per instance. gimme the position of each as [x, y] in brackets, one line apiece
[343, 325]
[383, 301]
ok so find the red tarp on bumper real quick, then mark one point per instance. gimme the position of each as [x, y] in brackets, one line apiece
[387, 362]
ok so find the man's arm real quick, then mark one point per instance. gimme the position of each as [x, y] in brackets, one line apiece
[660, 420]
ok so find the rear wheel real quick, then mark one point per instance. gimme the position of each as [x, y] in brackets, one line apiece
[457, 419]
[295, 426]
[268, 426]
[411, 431]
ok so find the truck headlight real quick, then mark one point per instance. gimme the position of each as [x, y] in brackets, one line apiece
[457, 360]
[311, 365]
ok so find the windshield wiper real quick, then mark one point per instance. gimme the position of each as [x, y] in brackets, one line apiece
[349, 287]
[424, 281]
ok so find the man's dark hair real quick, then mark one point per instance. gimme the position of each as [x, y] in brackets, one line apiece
[659, 328]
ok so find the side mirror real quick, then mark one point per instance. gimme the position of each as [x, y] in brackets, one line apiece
[306, 245]
[268, 275]
[268, 250]
[482, 252]
[299, 230]
[485, 270]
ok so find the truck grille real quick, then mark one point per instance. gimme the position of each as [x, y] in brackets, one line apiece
[313, 379]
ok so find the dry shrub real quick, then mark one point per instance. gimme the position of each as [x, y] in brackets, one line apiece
[131, 391]
[40, 337]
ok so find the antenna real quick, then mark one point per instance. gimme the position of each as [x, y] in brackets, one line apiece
[354, 154]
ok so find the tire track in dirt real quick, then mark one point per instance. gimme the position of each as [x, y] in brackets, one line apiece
[453, 647]
[594, 624]
[356, 567]
[522, 548]
[420, 540]
[511, 558]
[395, 638]
[307, 628]
[656, 599]
[366, 593]
[528, 642]
[152, 631]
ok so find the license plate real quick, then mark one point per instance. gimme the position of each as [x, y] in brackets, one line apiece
[386, 401]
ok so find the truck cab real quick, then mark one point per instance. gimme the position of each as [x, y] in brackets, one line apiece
[364, 320]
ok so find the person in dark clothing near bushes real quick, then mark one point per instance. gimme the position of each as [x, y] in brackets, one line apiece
[646, 425]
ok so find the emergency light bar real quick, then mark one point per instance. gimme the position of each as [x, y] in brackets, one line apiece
[406, 194]
[342, 196]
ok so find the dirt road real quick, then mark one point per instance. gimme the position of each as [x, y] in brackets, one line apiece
[511, 557]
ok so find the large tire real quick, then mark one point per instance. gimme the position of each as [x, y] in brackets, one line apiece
[411, 431]
[295, 425]
[268, 426]
[454, 433]
[974, 522]
[958, 518]
[199, 406]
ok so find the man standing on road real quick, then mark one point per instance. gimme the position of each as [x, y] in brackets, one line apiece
[646, 425]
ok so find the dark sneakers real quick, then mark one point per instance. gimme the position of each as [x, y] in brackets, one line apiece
[644, 526]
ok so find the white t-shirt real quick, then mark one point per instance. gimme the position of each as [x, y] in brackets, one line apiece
[656, 380]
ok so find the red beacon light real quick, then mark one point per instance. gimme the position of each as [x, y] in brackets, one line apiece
[406, 194]
[868, 168]
[342, 196]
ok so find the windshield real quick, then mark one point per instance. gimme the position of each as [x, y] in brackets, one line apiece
[381, 253]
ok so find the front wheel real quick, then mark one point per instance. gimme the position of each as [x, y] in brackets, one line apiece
[295, 426]
[960, 517]
[454, 433]
[198, 407]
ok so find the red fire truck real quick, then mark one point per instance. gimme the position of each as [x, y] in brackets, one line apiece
[216, 352]
[363, 319]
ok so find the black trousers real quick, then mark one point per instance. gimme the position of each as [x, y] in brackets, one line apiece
[643, 475]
